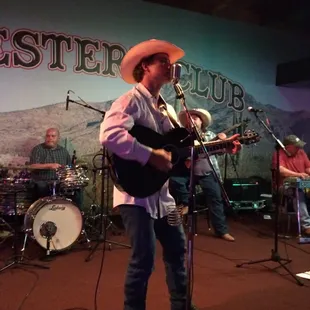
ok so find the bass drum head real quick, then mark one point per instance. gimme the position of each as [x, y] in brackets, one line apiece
[62, 213]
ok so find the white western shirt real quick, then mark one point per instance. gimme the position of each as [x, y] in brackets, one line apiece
[138, 107]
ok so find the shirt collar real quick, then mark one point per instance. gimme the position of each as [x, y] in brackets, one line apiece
[146, 92]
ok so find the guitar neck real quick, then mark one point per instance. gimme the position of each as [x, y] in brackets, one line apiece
[228, 130]
[216, 147]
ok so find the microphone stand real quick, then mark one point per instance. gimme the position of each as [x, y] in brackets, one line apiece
[192, 199]
[193, 135]
[104, 199]
[105, 222]
[275, 256]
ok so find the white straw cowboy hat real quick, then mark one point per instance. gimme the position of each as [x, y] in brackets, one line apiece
[204, 115]
[145, 49]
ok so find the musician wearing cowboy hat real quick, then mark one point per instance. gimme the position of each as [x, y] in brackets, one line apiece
[203, 173]
[148, 65]
[293, 164]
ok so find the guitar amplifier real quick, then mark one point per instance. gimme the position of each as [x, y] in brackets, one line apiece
[242, 189]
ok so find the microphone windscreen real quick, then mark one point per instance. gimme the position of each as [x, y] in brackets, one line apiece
[175, 73]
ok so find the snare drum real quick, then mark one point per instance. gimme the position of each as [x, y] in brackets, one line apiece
[72, 177]
[62, 214]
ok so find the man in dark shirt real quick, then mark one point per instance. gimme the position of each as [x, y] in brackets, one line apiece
[45, 158]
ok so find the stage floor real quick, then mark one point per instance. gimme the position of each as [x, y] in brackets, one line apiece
[218, 284]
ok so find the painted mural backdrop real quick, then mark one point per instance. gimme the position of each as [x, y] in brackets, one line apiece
[228, 67]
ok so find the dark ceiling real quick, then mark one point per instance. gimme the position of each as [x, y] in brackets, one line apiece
[286, 15]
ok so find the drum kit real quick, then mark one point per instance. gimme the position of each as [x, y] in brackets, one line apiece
[54, 222]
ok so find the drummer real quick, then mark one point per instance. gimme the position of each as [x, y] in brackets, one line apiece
[45, 158]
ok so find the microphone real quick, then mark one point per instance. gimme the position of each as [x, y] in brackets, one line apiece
[175, 74]
[67, 100]
[251, 109]
[48, 231]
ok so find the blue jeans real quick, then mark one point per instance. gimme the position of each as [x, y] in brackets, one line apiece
[179, 189]
[303, 207]
[304, 215]
[143, 231]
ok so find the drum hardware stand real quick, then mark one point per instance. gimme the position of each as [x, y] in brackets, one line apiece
[93, 189]
[91, 217]
[4, 223]
[275, 256]
[102, 235]
[105, 221]
[18, 259]
[10, 230]
[84, 234]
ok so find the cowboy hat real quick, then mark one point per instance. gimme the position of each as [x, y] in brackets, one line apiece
[143, 50]
[204, 115]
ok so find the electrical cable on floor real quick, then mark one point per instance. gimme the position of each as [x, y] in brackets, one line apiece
[97, 283]
[31, 290]
[100, 269]
[295, 247]
[221, 256]
[102, 261]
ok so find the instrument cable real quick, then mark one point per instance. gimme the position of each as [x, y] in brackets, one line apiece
[97, 282]
[102, 261]
[32, 288]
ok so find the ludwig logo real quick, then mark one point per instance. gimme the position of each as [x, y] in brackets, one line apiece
[57, 207]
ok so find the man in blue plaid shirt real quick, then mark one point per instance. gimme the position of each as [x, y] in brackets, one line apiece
[204, 176]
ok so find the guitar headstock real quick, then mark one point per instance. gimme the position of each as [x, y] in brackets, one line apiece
[249, 137]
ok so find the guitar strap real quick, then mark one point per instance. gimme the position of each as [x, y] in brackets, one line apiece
[163, 105]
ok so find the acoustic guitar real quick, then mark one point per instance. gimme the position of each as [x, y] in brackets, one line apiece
[142, 181]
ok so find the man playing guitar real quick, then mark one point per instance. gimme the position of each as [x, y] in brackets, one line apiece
[145, 219]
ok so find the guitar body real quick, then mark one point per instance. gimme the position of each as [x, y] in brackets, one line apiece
[143, 181]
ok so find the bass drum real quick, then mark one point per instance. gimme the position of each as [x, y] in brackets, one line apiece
[59, 212]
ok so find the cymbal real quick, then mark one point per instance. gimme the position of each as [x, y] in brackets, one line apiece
[25, 167]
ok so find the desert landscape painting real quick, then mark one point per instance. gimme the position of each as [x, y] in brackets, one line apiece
[79, 127]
